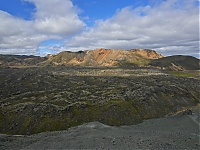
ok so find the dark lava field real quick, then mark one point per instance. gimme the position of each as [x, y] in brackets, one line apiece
[40, 99]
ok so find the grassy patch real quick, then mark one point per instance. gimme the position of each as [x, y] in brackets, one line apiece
[194, 74]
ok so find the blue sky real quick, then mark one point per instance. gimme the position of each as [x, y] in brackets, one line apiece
[18, 8]
[35, 27]
[103, 9]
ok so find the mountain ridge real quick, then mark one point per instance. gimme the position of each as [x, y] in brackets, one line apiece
[177, 63]
[105, 57]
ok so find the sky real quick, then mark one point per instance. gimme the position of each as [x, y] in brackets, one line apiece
[41, 27]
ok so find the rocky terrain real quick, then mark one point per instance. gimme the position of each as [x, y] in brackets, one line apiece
[174, 132]
[99, 99]
[40, 99]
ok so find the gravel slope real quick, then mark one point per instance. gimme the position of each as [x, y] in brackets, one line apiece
[176, 132]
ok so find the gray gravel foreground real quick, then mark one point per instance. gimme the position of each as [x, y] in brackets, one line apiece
[177, 132]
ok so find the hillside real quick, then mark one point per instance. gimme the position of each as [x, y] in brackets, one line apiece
[178, 132]
[177, 63]
[20, 60]
[103, 57]
[40, 99]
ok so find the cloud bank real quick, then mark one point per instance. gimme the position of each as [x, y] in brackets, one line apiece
[170, 27]
[53, 19]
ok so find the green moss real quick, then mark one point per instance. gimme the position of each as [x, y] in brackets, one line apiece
[27, 122]
[41, 102]
[1, 120]
[46, 123]
[113, 112]
[185, 73]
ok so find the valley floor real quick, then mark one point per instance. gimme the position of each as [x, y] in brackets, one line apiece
[174, 132]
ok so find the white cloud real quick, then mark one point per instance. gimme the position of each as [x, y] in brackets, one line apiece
[53, 19]
[56, 17]
[17, 34]
[170, 27]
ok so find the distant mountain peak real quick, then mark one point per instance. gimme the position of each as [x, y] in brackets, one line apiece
[104, 57]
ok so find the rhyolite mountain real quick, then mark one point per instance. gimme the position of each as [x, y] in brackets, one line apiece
[98, 57]
[105, 57]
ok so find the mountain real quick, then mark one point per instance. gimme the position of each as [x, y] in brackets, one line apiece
[177, 63]
[20, 60]
[103, 57]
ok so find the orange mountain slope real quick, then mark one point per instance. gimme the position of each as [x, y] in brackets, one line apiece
[103, 57]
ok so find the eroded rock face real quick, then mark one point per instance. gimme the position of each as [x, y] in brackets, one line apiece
[104, 57]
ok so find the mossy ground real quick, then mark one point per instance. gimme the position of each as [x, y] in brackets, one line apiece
[194, 74]
[35, 100]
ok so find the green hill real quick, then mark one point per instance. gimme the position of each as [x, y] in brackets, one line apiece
[20, 60]
[177, 63]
